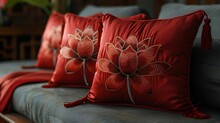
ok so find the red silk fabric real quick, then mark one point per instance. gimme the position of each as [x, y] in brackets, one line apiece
[146, 63]
[10, 82]
[79, 49]
[78, 52]
[51, 40]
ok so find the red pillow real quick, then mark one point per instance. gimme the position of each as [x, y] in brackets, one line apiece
[80, 45]
[50, 41]
[146, 63]
[52, 37]
[140, 16]
[79, 49]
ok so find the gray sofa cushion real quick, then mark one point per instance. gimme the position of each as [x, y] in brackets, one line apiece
[205, 73]
[213, 11]
[46, 106]
[119, 11]
[8, 67]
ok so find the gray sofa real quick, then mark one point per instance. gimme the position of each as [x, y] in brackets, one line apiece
[205, 64]
[42, 105]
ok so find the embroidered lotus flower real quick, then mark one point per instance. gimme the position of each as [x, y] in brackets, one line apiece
[81, 51]
[53, 42]
[56, 37]
[131, 62]
[53, 38]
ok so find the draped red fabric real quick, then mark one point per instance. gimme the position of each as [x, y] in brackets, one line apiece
[146, 64]
[11, 81]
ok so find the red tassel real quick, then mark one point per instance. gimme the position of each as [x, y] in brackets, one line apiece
[194, 113]
[49, 85]
[28, 67]
[206, 42]
[78, 102]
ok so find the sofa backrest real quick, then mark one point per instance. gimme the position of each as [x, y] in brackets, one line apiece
[119, 11]
[177, 9]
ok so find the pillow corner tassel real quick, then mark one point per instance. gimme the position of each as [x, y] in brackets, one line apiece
[195, 113]
[49, 85]
[206, 40]
[76, 103]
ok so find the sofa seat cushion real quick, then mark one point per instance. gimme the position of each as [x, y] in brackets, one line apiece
[10, 66]
[46, 106]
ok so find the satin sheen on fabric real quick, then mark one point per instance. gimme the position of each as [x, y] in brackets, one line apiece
[79, 49]
[77, 59]
[51, 40]
[164, 83]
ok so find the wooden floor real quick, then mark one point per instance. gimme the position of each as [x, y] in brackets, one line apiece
[2, 120]
[17, 118]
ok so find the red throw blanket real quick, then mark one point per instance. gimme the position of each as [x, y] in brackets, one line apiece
[10, 82]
